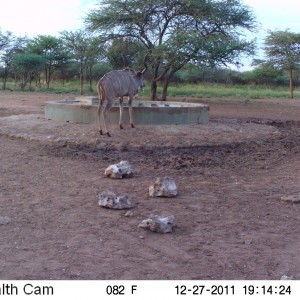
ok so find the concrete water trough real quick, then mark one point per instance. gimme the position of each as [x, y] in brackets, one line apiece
[84, 110]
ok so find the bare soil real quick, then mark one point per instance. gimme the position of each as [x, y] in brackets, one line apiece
[231, 174]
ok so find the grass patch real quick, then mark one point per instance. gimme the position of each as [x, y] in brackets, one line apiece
[56, 87]
[232, 91]
[201, 90]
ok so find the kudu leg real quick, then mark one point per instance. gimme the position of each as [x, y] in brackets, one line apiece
[130, 111]
[100, 108]
[105, 112]
[121, 112]
[104, 115]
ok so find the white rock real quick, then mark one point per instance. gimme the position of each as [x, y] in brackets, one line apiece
[111, 200]
[4, 220]
[165, 187]
[292, 198]
[129, 214]
[161, 224]
[120, 170]
[287, 277]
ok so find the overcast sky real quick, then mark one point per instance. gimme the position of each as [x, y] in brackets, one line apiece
[46, 17]
[277, 14]
[33, 17]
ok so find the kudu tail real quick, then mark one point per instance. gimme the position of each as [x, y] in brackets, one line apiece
[100, 107]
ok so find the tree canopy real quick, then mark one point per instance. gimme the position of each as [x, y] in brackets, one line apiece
[4, 38]
[85, 49]
[51, 49]
[13, 45]
[282, 49]
[26, 65]
[177, 32]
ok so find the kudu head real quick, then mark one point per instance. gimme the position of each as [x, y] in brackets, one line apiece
[140, 74]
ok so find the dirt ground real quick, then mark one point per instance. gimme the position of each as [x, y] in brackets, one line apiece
[231, 174]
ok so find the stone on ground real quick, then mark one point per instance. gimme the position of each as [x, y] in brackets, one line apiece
[165, 187]
[160, 224]
[121, 170]
[109, 199]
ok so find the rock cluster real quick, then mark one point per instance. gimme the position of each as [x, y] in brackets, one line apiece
[162, 187]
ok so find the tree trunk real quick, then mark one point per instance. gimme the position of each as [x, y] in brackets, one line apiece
[91, 84]
[4, 83]
[16, 81]
[165, 89]
[47, 77]
[23, 82]
[81, 84]
[153, 90]
[154, 82]
[167, 80]
[291, 83]
[81, 78]
[38, 80]
[5, 78]
[90, 79]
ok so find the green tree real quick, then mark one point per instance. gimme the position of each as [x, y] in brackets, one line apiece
[264, 72]
[5, 41]
[26, 66]
[100, 69]
[215, 50]
[78, 43]
[124, 52]
[14, 46]
[175, 33]
[282, 49]
[94, 53]
[67, 72]
[5, 38]
[51, 48]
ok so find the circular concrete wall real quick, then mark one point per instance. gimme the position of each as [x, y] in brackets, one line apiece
[84, 110]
